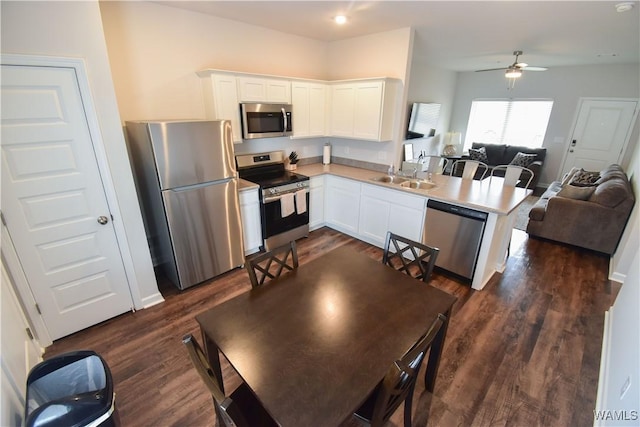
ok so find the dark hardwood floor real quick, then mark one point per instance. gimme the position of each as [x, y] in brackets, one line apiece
[525, 351]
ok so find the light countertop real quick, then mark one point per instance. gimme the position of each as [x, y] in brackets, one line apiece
[488, 195]
[244, 185]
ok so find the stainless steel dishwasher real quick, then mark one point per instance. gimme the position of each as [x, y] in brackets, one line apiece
[457, 231]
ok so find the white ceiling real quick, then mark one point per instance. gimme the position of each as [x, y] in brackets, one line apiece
[459, 35]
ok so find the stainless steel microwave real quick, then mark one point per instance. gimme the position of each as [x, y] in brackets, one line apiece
[265, 120]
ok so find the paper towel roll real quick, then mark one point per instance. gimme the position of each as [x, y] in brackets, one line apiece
[326, 154]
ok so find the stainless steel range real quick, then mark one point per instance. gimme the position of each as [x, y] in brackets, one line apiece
[284, 197]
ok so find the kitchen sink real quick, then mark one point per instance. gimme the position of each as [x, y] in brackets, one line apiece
[390, 179]
[419, 185]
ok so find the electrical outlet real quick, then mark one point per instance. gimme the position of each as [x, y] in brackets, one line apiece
[625, 387]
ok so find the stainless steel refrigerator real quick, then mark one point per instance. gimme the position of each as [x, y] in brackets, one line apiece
[188, 189]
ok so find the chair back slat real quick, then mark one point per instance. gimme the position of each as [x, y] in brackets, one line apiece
[399, 382]
[513, 175]
[272, 264]
[469, 168]
[411, 257]
[226, 408]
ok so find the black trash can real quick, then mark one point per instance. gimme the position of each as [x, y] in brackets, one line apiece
[71, 390]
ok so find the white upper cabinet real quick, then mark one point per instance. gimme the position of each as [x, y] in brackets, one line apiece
[364, 109]
[359, 109]
[309, 101]
[264, 89]
[221, 100]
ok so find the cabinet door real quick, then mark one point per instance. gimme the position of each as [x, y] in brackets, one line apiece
[367, 110]
[316, 202]
[300, 101]
[226, 103]
[260, 89]
[309, 109]
[342, 204]
[317, 110]
[278, 91]
[252, 89]
[342, 110]
[251, 226]
[374, 216]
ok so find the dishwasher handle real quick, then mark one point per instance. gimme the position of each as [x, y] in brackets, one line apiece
[457, 210]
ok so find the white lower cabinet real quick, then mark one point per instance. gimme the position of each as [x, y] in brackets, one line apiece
[383, 210]
[316, 202]
[251, 226]
[342, 204]
[367, 211]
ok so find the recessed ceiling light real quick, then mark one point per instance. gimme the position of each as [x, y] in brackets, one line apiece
[624, 7]
[340, 19]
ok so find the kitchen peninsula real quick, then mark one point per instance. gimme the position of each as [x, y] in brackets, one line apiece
[353, 200]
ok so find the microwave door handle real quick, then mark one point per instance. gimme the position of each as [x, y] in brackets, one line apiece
[284, 117]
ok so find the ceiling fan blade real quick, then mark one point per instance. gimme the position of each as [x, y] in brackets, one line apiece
[535, 69]
[492, 69]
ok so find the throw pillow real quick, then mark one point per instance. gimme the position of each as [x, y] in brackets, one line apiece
[479, 154]
[584, 178]
[523, 159]
[577, 193]
[567, 177]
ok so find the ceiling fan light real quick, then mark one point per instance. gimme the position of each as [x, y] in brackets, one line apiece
[513, 73]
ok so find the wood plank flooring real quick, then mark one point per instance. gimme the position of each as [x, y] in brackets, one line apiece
[525, 351]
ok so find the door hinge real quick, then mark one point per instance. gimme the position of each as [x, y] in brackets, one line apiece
[4, 222]
[29, 334]
[38, 309]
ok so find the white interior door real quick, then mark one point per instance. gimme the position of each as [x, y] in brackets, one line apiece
[600, 134]
[54, 203]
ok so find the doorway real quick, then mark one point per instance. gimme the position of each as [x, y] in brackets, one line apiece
[601, 133]
[54, 202]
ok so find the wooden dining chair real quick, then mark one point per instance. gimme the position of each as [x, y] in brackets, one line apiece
[241, 408]
[469, 168]
[399, 382]
[513, 175]
[415, 259]
[272, 264]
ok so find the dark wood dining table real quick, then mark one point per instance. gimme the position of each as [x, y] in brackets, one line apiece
[314, 343]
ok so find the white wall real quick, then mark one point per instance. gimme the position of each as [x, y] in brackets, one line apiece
[565, 85]
[74, 29]
[155, 51]
[621, 343]
[386, 54]
[431, 84]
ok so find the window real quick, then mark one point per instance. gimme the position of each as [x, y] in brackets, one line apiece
[512, 122]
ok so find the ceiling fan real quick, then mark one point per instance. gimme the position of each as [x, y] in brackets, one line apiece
[515, 70]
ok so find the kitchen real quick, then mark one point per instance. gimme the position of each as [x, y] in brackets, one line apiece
[166, 85]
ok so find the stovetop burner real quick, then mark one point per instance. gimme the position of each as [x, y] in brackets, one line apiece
[267, 170]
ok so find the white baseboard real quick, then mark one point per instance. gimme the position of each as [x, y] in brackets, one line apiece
[152, 300]
[603, 385]
[615, 275]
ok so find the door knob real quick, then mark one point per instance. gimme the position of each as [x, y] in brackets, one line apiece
[103, 220]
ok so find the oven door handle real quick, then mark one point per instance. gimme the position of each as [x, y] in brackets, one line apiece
[276, 198]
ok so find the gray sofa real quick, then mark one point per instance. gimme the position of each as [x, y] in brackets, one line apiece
[592, 216]
[501, 154]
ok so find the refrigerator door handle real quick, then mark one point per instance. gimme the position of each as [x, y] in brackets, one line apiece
[201, 185]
